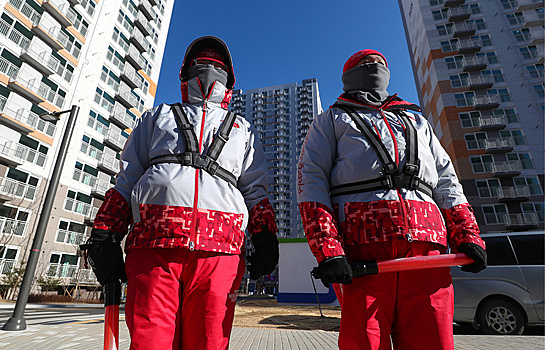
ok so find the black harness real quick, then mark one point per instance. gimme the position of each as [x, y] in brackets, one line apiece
[391, 176]
[192, 157]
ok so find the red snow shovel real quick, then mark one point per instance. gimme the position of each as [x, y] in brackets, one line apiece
[112, 299]
[364, 268]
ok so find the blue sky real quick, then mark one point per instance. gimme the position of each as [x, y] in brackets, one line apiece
[280, 42]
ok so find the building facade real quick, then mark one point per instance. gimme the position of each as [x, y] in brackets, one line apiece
[281, 115]
[102, 56]
[478, 67]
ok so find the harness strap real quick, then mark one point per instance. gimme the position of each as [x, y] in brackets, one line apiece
[386, 182]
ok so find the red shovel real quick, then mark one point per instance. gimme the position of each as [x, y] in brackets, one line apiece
[112, 299]
[364, 268]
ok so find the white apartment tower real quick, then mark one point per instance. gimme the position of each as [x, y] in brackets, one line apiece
[101, 55]
[281, 115]
[478, 67]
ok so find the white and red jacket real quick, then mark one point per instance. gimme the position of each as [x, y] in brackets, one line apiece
[336, 152]
[169, 205]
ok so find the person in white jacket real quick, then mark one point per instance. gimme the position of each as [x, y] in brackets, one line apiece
[193, 178]
[374, 183]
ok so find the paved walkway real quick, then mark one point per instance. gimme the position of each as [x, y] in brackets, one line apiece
[51, 328]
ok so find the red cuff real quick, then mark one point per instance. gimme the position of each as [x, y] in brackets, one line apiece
[114, 214]
[462, 226]
[321, 230]
[262, 214]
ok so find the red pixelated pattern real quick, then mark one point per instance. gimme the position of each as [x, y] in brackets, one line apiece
[320, 230]
[262, 214]
[163, 226]
[462, 226]
[114, 214]
[382, 221]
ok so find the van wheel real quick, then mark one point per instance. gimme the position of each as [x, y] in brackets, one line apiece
[500, 317]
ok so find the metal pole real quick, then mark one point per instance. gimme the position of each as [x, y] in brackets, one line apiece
[17, 320]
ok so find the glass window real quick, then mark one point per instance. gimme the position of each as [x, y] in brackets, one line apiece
[499, 252]
[531, 182]
[459, 80]
[515, 134]
[529, 249]
[529, 52]
[502, 93]
[488, 188]
[540, 90]
[524, 158]
[535, 70]
[507, 112]
[495, 214]
[470, 119]
[454, 61]
[475, 141]
[481, 164]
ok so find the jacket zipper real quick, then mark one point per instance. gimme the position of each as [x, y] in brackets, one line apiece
[404, 209]
[193, 232]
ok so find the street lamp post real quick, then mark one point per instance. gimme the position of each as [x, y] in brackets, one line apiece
[17, 320]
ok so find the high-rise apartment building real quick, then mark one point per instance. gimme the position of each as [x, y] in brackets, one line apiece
[101, 55]
[281, 115]
[478, 66]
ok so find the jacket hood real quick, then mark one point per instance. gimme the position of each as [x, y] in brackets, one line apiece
[208, 42]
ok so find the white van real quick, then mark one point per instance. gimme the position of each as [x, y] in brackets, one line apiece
[509, 293]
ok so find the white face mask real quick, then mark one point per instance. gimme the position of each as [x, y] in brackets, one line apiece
[207, 75]
[368, 82]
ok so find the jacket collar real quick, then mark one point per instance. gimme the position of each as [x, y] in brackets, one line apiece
[192, 93]
[392, 102]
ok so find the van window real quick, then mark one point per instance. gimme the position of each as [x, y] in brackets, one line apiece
[529, 249]
[499, 251]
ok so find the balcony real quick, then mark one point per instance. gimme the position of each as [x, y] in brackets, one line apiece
[508, 168]
[492, 122]
[499, 145]
[481, 82]
[522, 221]
[515, 193]
[89, 218]
[100, 188]
[11, 189]
[70, 237]
[62, 270]
[486, 102]
[538, 38]
[129, 76]
[145, 8]
[8, 69]
[27, 10]
[76, 206]
[135, 58]
[142, 23]
[120, 117]
[524, 5]
[153, 2]
[464, 29]
[14, 35]
[13, 153]
[458, 14]
[125, 96]
[469, 46]
[452, 3]
[48, 32]
[115, 140]
[84, 178]
[85, 277]
[43, 61]
[13, 227]
[139, 41]
[6, 266]
[110, 164]
[532, 19]
[474, 63]
[61, 11]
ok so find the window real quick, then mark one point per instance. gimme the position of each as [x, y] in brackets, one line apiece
[125, 21]
[110, 78]
[454, 62]
[502, 93]
[477, 24]
[436, 2]
[116, 58]
[499, 252]
[98, 122]
[465, 99]
[70, 232]
[91, 147]
[78, 202]
[524, 159]
[515, 18]
[103, 99]
[441, 14]
[529, 52]
[481, 164]
[496, 74]
[473, 8]
[509, 4]
[63, 265]
[14, 220]
[470, 119]
[89, 6]
[515, 134]
[490, 56]
[22, 186]
[495, 214]
[509, 113]
[449, 45]
[7, 259]
[540, 90]
[475, 141]
[535, 70]
[531, 182]
[445, 29]
[529, 249]
[488, 188]
[484, 39]
[534, 208]
[522, 34]
[85, 174]
[121, 39]
[459, 80]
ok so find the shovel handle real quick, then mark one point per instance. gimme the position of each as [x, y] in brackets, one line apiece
[112, 299]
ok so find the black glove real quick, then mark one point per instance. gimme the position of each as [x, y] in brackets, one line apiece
[105, 256]
[265, 258]
[333, 270]
[476, 253]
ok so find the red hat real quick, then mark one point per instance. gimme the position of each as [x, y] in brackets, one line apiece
[211, 55]
[355, 58]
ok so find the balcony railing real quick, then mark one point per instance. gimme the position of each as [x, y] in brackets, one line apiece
[44, 61]
[86, 276]
[513, 193]
[23, 153]
[70, 237]
[64, 39]
[529, 4]
[84, 178]
[6, 266]
[120, 117]
[101, 187]
[507, 168]
[77, 206]
[492, 122]
[46, 92]
[8, 68]
[145, 7]
[520, 221]
[90, 217]
[115, 140]
[501, 144]
[27, 10]
[474, 63]
[481, 82]
[484, 102]
[14, 35]
[16, 189]
[13, 227]
[62, 270]
[464, 29]
[109, 163]
[471, 45]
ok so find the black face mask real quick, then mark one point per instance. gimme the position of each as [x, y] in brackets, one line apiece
[367, 82]
[207, 75]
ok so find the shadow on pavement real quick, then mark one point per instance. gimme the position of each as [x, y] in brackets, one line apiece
[314, 323]
[467, 329]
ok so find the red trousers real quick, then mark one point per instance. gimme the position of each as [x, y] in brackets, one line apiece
[181, 299]
[414, 308]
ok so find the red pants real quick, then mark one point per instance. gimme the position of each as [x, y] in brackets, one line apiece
[415, 307]
[181, 299]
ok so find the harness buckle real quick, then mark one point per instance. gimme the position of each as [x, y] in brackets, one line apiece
[389, 168]
[201, 162]
[411, 169]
